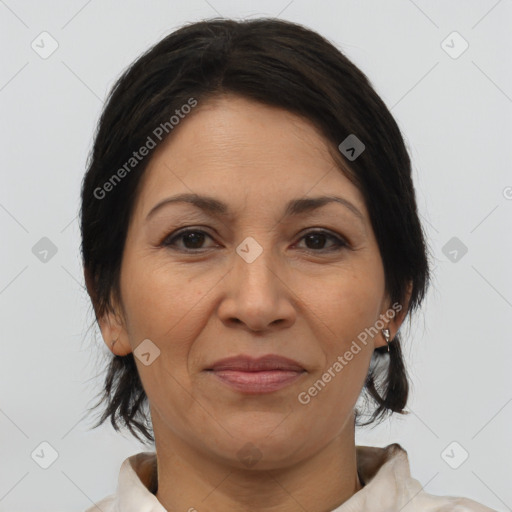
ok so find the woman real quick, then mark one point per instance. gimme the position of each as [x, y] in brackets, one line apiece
[251, 246]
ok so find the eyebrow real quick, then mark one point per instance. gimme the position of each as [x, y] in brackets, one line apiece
[218, 208]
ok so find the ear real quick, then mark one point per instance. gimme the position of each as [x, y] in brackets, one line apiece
[393, 317]
[111, 322]
[114, 333]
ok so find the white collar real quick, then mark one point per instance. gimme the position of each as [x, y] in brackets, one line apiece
[385, 472]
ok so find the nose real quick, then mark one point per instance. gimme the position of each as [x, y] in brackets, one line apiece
[258, 295]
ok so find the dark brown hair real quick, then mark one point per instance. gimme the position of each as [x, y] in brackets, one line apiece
[278, 63]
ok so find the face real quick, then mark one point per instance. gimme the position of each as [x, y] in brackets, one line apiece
[252, 277]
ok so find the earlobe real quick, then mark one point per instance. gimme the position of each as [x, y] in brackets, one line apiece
[118, 350]
[114, 334]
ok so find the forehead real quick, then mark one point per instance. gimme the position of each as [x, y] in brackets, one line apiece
[244, 152]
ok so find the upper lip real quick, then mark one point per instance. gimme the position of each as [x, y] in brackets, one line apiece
[251, 364]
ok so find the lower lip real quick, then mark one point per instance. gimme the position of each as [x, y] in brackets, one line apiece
[257, 382]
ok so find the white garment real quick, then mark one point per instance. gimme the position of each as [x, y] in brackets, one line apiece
[385, 473]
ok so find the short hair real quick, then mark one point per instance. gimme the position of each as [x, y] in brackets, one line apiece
[277, 63]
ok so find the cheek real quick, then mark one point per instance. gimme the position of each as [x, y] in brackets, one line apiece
[345, 310]
[347, 301]
[163, 302]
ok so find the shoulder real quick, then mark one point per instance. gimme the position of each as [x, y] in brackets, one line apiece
[137, 476]
[105, 505]
[421, 500]
[430, 502]
[387, 473]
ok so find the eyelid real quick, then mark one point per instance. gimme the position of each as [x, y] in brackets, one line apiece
[340, 241]
[174, 235]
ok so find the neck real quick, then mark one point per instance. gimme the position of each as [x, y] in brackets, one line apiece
[190, 480]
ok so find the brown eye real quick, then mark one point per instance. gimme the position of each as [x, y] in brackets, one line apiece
[191, 239]
[316, 240]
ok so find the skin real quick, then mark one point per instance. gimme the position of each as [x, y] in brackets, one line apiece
[296, 299]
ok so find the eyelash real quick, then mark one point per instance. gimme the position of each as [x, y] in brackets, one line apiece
[170, 242]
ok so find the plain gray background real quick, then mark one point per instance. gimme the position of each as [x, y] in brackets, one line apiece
[455, 113]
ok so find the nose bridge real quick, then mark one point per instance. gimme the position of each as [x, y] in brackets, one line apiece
[254, 262]
[257, 297]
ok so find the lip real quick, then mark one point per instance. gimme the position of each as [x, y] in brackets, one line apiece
[257, 375]
[246, 363]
